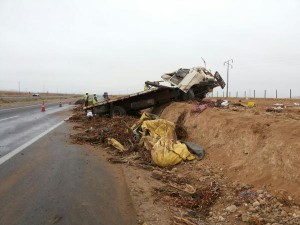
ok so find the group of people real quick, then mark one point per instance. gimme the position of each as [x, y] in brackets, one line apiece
[95, 100]
[86, 99]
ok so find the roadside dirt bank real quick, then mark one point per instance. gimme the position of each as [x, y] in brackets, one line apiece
[248, 176]
[253, 146]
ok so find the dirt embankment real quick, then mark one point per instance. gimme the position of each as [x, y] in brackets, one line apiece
[252, 146]
[248, 176]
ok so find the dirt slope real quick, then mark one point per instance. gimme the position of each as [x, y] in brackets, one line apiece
[252, 146]
[247, 146]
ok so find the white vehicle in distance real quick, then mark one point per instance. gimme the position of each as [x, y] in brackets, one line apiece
[36, 95]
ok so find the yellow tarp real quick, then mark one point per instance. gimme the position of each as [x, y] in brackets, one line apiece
[116, 144]
[144, 117]
[159, 137]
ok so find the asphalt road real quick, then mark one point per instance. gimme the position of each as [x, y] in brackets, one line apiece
[53, 181]
[20, 124]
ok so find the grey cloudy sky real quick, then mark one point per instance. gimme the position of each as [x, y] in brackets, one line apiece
[115, 45]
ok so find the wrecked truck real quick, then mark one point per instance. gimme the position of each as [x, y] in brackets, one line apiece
[182, 85]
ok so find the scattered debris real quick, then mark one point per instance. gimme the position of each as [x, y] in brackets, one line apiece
[202, 199]
[156, 136]
[89, 115]
[278, 105]
[55, 219]
[220, 103]
[275, 109]
[239, 104]
[116, 144]
[224, 103]
[206, 101]
[183, 220]
[199, 108]
[195, 148]
[203, 105]
[251, 104]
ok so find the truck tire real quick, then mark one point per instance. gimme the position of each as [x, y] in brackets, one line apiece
[188, 96]
[118, 111]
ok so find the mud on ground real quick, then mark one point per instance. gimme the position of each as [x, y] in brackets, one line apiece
[248, 176]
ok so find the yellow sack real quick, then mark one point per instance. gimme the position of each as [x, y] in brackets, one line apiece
[163, 144]
[165, 153]
[116, 144]
[148, 142]
[144, 117]
[159, 128]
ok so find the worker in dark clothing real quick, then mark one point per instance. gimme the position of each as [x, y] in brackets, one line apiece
[86, 99]
[105, 96]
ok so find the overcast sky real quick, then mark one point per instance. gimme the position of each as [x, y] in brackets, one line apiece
[116, 45]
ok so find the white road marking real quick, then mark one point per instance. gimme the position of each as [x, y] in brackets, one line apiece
[22, 147]
[8, 118]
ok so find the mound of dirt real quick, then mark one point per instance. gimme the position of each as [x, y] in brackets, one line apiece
[252, 146]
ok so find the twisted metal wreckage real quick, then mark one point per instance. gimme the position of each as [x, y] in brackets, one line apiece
[182, 85]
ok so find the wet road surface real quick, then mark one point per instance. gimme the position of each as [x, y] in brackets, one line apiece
[55, 182]
[20, 124]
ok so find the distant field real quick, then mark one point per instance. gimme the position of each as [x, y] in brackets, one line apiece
[29, 94]
[12, 99]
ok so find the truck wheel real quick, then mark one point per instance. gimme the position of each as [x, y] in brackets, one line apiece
[118, 111]
[188, 96]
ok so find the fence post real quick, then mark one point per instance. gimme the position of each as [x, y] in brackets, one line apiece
[276, 93]
[290, 93]
[254, 94]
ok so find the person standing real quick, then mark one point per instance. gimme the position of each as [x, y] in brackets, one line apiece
[146, 87]
[105, 96]
[86, 99]
[95, 100]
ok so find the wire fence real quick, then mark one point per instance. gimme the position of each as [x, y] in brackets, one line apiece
[288, 94]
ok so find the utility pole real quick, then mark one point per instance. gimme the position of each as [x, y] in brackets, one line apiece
[227, 82]
[19, 84]
[265, 94]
